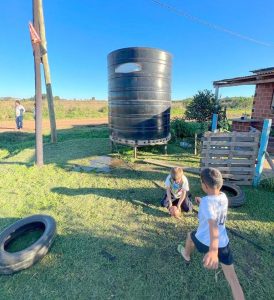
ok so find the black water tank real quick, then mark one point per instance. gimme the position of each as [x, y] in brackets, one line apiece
[139, 93]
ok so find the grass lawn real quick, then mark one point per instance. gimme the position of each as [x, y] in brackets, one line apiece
[114, 240]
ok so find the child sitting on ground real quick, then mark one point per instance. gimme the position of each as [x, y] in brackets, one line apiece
[177, 191]
[211, 237]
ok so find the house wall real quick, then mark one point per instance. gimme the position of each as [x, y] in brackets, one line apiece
[263, 101]
[237, 125]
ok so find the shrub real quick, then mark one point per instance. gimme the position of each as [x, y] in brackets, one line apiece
[203, 106]
[179, 128]
[103, 109]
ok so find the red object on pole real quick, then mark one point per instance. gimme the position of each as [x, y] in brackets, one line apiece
[34, 36]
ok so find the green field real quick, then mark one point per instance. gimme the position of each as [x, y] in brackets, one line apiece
[69, 109]
[114, 240]
[64, 109]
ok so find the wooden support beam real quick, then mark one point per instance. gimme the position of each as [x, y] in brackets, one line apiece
[252, 82]
[38, 92]
[195, 144]
[262, 150]
[47, 71]
[215, 115]
[214, 122]
[216, 93]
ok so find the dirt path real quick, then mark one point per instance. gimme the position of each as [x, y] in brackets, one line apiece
[29, 125]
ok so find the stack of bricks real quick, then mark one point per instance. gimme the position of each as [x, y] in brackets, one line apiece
[262, 103]
[241, 125]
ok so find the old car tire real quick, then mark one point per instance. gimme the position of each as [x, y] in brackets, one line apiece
[14, 262]
[238, 197]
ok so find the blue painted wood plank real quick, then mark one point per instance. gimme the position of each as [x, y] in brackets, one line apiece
[262, 150]
[214, 122]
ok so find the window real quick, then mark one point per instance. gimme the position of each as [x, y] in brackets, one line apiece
[128, 68]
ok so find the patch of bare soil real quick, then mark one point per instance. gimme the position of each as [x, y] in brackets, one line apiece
[29, 125]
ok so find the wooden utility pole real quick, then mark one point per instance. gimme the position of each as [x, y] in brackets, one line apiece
[38, 90]
[46, 71]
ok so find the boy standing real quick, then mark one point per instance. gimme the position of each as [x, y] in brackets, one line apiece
[211, 237]
[177, 191]
[19, 112]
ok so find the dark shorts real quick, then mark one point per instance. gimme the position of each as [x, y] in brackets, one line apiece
[224, 254]
[185, 206]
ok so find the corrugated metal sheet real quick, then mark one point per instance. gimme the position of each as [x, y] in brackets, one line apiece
[262, 74]
[264, 71]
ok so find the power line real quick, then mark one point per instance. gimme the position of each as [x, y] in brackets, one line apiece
[208, 24]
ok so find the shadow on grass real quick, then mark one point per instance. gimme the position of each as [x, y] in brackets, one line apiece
[123, 264]
[259, 205]
[13, 143]
[130, 265]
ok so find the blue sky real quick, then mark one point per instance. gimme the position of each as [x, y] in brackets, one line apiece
[80, 34]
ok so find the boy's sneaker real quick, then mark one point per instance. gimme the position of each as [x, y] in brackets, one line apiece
[189, 202]
[190, 205]
[181, 250]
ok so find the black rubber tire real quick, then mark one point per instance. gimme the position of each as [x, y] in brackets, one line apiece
[239, 197]
[14, 262]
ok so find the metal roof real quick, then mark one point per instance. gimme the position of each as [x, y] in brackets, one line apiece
[259, 76]
[265, 70]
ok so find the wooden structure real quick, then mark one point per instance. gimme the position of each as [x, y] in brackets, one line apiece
[263, 102]
[38, 89]
[45, 61]
[234, 154]
[262, 151]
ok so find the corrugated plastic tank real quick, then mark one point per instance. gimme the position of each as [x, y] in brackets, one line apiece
[139, 93]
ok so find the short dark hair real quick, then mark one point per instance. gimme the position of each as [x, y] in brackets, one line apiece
[212, 178]
[17, 101]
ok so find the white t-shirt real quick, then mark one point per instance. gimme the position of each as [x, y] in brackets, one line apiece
[176, 189]
[212, 208]
[19, 110]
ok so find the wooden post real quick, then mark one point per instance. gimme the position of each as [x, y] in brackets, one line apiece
[215, 115]
[135, 152]
[195, 144]
[165, 149]
[216, 93]
[262, 150]
[38, 92]
[214, 122]
[47, 72]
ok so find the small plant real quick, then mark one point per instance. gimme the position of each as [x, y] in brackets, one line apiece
[103, 109]
[223, 123]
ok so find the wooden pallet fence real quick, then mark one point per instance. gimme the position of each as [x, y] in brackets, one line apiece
[233, 153]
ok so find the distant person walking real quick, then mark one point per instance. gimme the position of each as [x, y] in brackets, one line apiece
[19, 114]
